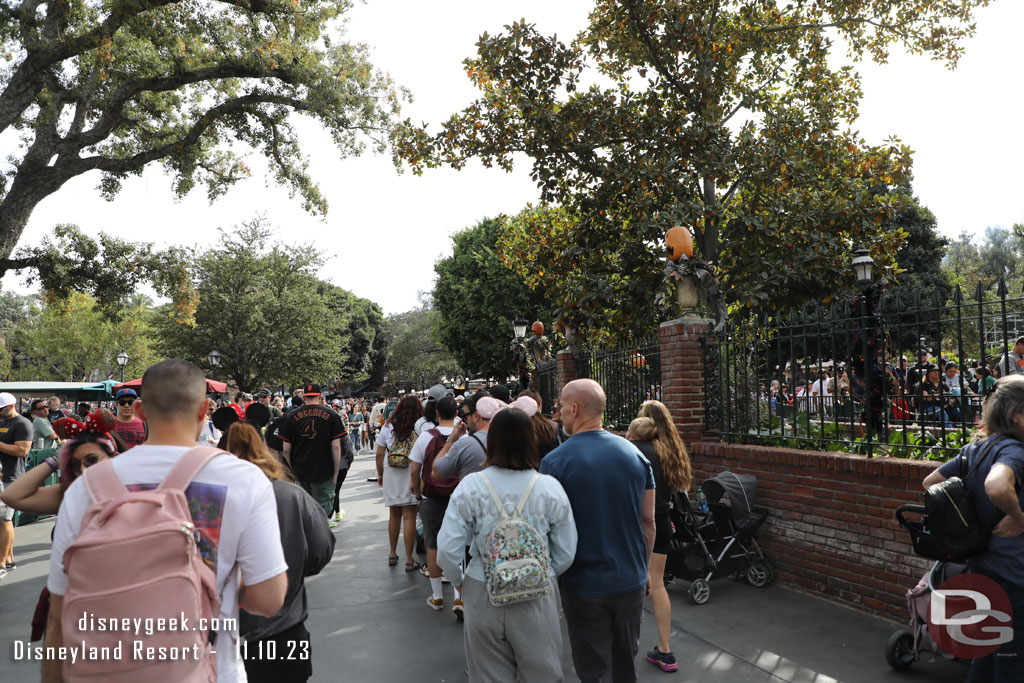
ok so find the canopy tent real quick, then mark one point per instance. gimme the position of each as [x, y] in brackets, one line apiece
[79, 391]
[212, 386]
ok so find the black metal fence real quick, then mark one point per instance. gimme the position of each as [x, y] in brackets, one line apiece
[630, 374]
[877, 376]
[547, 382]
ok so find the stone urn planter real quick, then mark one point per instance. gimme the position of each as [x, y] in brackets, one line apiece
[688, 295]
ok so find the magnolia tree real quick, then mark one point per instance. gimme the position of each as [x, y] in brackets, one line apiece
[731, 117]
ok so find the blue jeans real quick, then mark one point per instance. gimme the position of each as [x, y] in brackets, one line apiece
[1007, 664]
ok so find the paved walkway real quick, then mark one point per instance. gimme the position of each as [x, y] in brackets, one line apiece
[370, 622]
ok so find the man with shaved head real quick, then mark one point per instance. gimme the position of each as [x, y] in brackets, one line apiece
[611, 489]
[233, 504]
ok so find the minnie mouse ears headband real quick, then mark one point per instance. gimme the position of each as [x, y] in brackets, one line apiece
[488, 406]
[99, 421]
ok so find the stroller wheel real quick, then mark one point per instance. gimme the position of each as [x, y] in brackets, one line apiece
[899, 651]
[700, 591]
[760, 574]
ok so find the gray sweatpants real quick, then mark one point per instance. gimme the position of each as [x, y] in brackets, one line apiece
[520, 642]
[604, 634]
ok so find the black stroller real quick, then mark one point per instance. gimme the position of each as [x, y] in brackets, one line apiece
[720, 542]
[906, 646]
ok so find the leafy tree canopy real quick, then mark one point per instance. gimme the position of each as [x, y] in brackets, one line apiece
[111, 86]
[108, 269]
[69, 339]
[415, 356]
[725, 116]
[476, 298]
[264, 309]
[921, 282]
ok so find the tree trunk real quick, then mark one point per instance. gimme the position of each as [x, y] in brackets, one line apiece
[33, 183]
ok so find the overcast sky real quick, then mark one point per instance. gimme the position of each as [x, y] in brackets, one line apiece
[386, 230]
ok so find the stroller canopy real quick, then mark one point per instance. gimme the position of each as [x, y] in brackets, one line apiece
[741, 489]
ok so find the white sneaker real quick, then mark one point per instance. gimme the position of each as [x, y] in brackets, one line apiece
[435, 603]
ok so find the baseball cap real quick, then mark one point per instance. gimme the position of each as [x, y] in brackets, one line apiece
[262, 392]
[7, 400]
[312, 390]
[437, 392]
[125, 392]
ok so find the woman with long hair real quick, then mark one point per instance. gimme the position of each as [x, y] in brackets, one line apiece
[521, 641]
[546, 430]
[308, 545]
[990, 467]
[27, 493]
[672, 472]
[393, 447]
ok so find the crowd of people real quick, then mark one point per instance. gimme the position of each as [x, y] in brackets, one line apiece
[531, 519]
[504, 495]
[931, 390]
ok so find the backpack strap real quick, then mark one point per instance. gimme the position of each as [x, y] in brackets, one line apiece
[494, 496]
[102, 482]
[479, 443]
[526, 494]
[188, 467]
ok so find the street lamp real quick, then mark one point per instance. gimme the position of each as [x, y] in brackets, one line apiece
[122, 360]
[869, 345]
[214, 359]
[519, 327]
[863, 267]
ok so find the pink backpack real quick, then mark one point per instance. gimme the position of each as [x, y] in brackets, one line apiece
[137, 558]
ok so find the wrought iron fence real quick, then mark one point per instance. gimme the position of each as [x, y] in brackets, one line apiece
[877, 376]
[630, 374]
[547, 383]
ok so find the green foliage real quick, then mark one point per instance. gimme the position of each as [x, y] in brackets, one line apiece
[415, 355]
[273, 321]
[921, 277]
[727, 117]
[113, 86]
[109, 269]
[476, 298]
[69, 339]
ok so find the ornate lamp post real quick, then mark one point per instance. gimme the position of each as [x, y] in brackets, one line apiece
[214, 360]
[122, 360]
[869, 343]
[518, 349]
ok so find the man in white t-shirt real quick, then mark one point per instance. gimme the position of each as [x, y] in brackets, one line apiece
[821, 397]
[432, 508]
[240, 536]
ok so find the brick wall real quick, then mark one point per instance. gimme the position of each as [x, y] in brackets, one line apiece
[831, 530]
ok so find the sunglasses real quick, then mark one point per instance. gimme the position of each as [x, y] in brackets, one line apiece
[76, 465]
[125, 401]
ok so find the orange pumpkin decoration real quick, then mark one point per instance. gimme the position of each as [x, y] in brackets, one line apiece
[679, 242]
[537, 328]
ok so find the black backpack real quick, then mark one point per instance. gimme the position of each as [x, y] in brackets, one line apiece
[951, 519]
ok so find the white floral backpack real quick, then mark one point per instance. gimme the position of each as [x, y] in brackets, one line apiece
[515, 554]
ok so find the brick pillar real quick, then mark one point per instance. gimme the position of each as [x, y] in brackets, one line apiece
[566, 369]
[682, 374]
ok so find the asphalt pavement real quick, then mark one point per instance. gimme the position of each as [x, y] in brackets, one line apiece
[370, 622]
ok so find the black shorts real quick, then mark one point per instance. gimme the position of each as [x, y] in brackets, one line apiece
[432, 514]
[662, 532]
